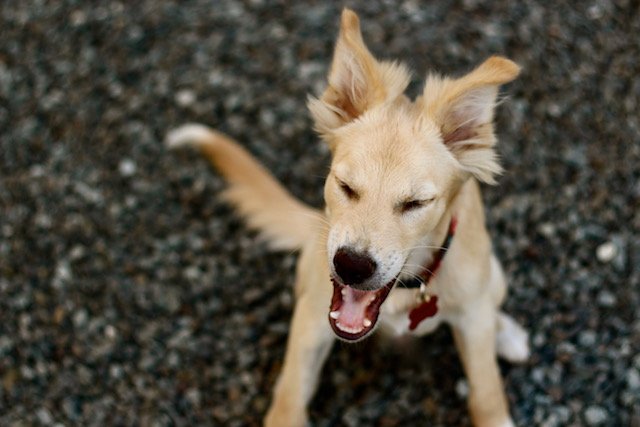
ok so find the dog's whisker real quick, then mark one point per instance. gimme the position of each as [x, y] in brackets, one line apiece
[420, 267]
[424, 247]
[411, 274]
[315, 215]
[401, 283]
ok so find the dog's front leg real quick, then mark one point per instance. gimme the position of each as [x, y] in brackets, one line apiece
[310, 340]
[474, 331]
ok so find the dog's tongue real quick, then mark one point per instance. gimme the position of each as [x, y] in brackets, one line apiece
[354, 307]
[353, 312]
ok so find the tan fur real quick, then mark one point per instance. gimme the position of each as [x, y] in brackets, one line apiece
[284, 221]
[388, 150]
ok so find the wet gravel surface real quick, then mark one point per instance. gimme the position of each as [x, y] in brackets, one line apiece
[129, 295]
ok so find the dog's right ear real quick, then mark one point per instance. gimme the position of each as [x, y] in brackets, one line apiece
[356, 82]
[463, 109]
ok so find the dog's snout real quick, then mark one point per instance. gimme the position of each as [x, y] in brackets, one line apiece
[353, 267]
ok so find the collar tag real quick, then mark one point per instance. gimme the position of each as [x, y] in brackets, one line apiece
[428, 304]
[427, 309]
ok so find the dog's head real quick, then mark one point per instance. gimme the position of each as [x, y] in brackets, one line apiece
[396, 167]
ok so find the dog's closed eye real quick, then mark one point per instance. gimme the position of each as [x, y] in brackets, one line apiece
[348, 191]
[413, 204]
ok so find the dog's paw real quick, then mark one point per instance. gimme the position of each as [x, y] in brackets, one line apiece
[191, 134]
[512, 341]
[274, 421]
[283, 416]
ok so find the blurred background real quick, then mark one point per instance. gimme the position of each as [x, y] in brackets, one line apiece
[129, 295]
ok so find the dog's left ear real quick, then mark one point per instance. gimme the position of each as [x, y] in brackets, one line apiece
[357, 82]
[463, 109]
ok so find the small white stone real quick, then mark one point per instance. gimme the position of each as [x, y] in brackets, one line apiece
[80, 318]
[595, 12]
[110, 332]
[606, 252]
[44, 416]
[547, 229]
[566, 348]
[462, 388]
[116, 371]
[595, 415]
[127, 167]
[606, 299]
[37, 171]
[633, 379]
[636, 361]
[537, 374]
[587, 338]
[267, 117]
[185, 97]
[88, 193]
[192, 272]
[78, 18]
[62, 275]
[43, 220]
[551, 421]
[193, 395]
[539, 340]
[77, 252]
[555, 110]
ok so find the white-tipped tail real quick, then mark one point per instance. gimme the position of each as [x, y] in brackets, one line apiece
[189, 134]
[284, 221]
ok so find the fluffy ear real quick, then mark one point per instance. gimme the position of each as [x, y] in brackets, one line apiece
[463, 110]
[356, 82]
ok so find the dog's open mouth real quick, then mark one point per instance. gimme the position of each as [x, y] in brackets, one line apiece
[354, 313]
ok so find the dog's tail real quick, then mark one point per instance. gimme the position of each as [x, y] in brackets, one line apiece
[283, 220]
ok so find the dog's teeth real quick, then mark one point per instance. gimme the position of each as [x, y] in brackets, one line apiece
[344, 292]
[372, 299]
[366, 323]
[348, 329]
[334, 314]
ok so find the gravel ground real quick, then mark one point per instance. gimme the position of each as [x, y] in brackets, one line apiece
[129, 295]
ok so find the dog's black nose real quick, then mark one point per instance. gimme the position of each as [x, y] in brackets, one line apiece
[353, 267]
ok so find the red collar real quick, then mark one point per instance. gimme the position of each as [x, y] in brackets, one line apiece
[428, 306]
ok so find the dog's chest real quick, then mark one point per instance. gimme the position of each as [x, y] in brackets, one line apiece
[394, 316]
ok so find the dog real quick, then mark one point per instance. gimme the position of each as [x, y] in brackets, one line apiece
[403, 229]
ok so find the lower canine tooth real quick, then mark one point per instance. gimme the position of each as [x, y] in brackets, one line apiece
[366, 323]
[334, 314]
[344, 292]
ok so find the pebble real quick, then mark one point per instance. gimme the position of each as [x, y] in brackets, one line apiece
[606, 252]
[587, 338]
[462, 388]
[185, 97]
[547, 229]
[633, 379]
[606, 299]
[595, 415]
[127, 167]
[110, 332]
[44, 416]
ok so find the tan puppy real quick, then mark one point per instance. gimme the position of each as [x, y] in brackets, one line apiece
[403, 184]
